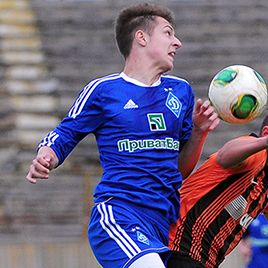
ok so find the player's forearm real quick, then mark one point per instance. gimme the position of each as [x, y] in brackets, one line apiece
[191, 152]
[236, 151]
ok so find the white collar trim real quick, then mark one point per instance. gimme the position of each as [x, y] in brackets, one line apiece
[138, 83]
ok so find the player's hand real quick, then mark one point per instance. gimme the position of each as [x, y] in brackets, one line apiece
[41, 165]
[204, 116]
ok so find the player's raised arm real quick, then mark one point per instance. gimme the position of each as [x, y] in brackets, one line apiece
[236, 151]
[44, 161]
[204, 121]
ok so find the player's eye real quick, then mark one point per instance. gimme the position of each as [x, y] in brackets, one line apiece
[169, 33]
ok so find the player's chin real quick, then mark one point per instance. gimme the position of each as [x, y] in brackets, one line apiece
[171, 61]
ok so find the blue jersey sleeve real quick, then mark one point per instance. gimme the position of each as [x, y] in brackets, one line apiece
[84, 117]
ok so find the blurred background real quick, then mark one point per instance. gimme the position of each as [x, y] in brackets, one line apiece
[49, 50]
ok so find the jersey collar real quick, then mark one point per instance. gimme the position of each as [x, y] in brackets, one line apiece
[138, 83]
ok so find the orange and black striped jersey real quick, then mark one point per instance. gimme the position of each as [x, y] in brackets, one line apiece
[217, 205]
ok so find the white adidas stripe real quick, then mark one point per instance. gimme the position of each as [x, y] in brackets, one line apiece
[85, 94]
[114, 230]
[80, 97]
[49, 139]
[110, 233]
[122, 230]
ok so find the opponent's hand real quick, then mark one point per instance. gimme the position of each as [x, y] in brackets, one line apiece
[204, 116]
[42, 164]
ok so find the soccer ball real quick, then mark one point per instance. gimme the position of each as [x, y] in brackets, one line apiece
[238, 94]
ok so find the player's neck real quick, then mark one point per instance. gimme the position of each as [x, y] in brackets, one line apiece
[142, 74]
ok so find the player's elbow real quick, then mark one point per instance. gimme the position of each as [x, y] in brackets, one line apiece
[223, 160]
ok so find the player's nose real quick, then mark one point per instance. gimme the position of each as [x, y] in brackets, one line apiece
[177, 42]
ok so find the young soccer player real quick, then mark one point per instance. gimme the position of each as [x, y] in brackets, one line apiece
[219, 201]
[142, 120]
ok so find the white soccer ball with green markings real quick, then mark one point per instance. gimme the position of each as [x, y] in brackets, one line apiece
[238, 94]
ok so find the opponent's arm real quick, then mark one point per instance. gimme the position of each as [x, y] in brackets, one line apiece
[237, 150]
[204, 121]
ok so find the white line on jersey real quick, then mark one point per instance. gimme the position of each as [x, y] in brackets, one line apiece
[85, 94]
[49, 139]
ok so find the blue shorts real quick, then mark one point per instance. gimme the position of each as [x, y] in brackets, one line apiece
[120, 233]
[259, 257]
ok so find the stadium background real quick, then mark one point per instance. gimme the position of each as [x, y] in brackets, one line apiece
[49, 49]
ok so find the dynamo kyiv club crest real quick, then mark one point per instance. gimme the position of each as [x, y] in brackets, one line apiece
[173, 104]
[142, 238]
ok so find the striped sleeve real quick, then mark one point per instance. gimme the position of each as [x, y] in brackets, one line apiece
[84, 117]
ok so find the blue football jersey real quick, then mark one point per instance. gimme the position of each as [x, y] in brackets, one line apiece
[139, 130]
[258, 231]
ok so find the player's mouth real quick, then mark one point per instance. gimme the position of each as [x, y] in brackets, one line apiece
[172, 54]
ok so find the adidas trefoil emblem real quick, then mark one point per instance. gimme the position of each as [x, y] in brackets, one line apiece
[131, 105]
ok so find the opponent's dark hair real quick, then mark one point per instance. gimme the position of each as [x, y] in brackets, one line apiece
[136, 17]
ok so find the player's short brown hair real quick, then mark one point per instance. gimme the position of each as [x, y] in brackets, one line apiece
[140, 16]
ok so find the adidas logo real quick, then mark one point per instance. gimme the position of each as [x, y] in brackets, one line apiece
[130, 105]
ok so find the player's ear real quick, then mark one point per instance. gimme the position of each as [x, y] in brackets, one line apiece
[264, 131]
[141, 37]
